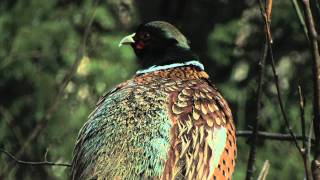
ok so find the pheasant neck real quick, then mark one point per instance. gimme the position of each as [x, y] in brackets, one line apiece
[162, 57]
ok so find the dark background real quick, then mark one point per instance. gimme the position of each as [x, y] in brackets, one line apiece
[40, 42]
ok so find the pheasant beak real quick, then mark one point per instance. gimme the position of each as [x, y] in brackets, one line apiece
[127, 40]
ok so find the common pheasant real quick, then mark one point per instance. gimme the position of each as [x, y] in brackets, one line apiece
[167, 122]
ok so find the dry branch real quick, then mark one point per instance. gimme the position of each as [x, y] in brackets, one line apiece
[303, 131]
[266, 13]
[34, 163]
[316, 80]
[272, 136]
[264, 171]
[255, 124]
[300, 17]
[279, 96]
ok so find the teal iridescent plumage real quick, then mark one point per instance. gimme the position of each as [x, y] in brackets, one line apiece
[126, 134]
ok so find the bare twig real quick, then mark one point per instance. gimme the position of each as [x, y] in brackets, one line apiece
[272, 136]
[264, 171]
[255, 124]
[34, 163]
[303, 128]
[300, 17]
[284, 115]
[267, 18]
[302, 118]
[316, 80]
[276, 81]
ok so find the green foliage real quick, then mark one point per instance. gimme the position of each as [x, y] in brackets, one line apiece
[221, 42]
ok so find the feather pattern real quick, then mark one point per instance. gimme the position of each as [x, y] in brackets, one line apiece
[164, 124]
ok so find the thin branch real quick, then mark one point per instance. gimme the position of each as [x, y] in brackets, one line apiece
[316, 81]
[300, 17]
[302, 118]
[272, 136]
[254, 134]
[284, 115]
[264, 171]
[33, 163]
[276, 81]
[303, 131]
[255, 124]
[267, 18]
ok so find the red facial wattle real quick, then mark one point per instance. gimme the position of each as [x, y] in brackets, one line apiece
[139, 45]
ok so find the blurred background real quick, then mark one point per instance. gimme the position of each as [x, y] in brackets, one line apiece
[48, 85]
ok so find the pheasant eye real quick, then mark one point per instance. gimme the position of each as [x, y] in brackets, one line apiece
[144, 36]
